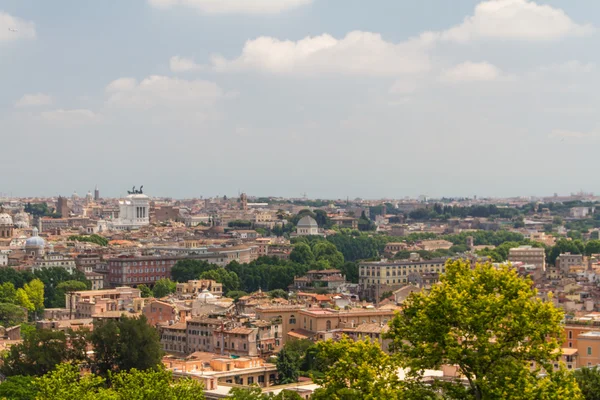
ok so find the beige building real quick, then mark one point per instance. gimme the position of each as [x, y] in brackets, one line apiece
[567, 260]
[316, 323]
[173, 338]
[378, 277]
[197, 286]
[528, 255]
[212, 370]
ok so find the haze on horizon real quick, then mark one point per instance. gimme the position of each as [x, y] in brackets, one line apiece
[333, 98]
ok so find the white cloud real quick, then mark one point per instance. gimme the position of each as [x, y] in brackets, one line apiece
[358, 53]
[74, 116]
[163, 92]
[471, 72]
[121, 84]
[233, 6]
[37, 99]
[13, 28]
[573, 135]
[516, 20]
[182, 64]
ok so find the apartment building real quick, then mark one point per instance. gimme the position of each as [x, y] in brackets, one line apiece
[316, 323]
[197, 286]
[50, 260]
[378, 277]
[528, 255]
[567, 260]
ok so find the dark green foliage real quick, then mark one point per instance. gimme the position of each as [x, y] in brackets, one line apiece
[163, 287]
[288, 366]
[52, 277]
[267, 273]
[41, 210]
[65, 287]
[41, 351]
[588, 380]
[97, 239]
[18, 387]
[125, 344]
[278, 293]
[358, 247]
[236, 294]
[145, 291]
[229, 279]
[11, 314]
[187, 270]
[302, 254]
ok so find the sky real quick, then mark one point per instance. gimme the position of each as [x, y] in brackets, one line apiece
[328, 98]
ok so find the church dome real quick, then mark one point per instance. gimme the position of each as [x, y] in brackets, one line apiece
[5, 219]
[307, 222]
[205, 295]
[35, 240]
[22, 220]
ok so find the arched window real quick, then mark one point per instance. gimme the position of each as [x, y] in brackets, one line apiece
[328, 325]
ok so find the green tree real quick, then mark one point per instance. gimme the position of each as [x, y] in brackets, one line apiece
[357, 370]
[588, 380]
[145, 291]
[12, 314]
[41, 351]
[164, 287]
[125, 344]
[592, 247]
[489, 323]
[66, 287]
[236, 294]
[327, 251]
[66, 383]
[288, 366]
[35, 292]
[278, 294]
[8, 293]
[255, 393]
[229, 279]
[18, 387]
[155, 384]
[187, 270]
[23, 300]
[302, 254]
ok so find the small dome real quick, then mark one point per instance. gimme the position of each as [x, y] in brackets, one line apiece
[5, 219]
[35, 240]
[307, 222]
[22, 220]
[205, 295]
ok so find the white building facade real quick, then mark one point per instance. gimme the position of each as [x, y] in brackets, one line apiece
[134, 213]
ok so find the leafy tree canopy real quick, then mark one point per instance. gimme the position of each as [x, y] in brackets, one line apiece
[489, 323]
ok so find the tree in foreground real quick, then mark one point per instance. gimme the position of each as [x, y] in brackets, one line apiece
[487, 322]
[125, 344]
[588, 380]
[255, 393]
[18, 387]
[66, 383]
[358, 370]
[42, 350]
